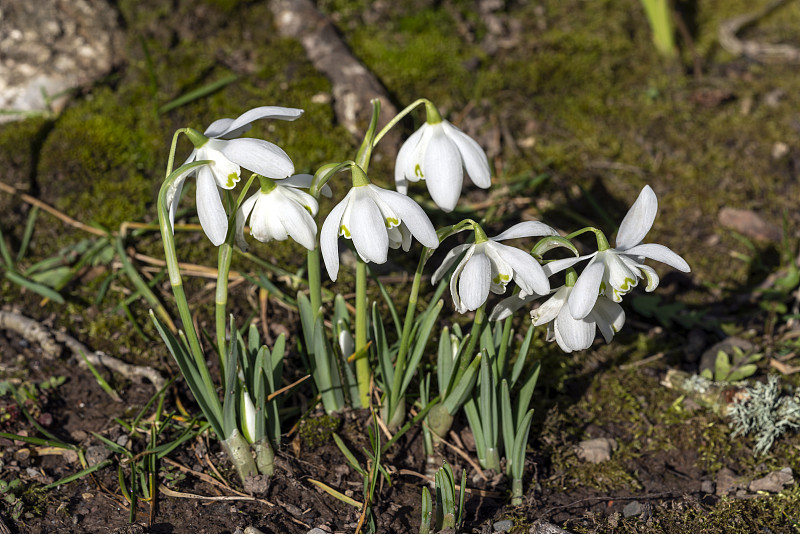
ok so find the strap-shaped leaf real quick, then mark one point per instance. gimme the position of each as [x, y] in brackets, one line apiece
[525, 394]
[522, 356]
[464, 387]
[517, 457]
[507, 425]
[474, 420]
[419, 344]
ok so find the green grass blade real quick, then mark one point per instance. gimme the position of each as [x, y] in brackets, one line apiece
[79, 474]
[197, 94]
[33, 286]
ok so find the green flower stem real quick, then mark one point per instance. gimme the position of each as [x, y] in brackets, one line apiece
[314, 280]
[173, 146]
[398, 118]
[477, 326]
[176, 282]
[365, 151]
[224, 258]
[602, 241]
[400, 361]
[362, 364]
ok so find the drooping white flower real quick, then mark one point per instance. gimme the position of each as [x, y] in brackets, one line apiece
[375, 219]
[573, 334]
[439, 153]
[280, 210]
[488, 265]
[228, 155]
[623, 266]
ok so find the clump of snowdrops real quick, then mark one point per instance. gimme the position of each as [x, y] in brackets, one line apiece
[474, 370]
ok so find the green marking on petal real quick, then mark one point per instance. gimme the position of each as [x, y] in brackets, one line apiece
[418, 171]
[391, 222]
[232, 179]
[602, 287]
[343, 230]
[501, 279]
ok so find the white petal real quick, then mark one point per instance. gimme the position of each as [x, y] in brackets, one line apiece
[506, 307]
[241, 218]
[586, 290]
[368, 228]
[651, 276]
[299, 224]
[660, 253]
[448, 261]
[573, 334]
[173, 194]
[638, 220]
[473, 284]
[405, 167]
[304, 181]
[329, 237]
[265, 221]
[610, 317]
[225, 171]
[527, 272]
[475, 161]
[526, 229]
[259, 156]
[230, 128]
[502, 272]
[552, 267]
[209, 207]
[301, 198]
[550, 308]
[442, 168]
[618, 277]
[411, 214]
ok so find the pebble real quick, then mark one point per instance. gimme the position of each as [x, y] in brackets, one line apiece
[317, 531]
[503, 526]
[632, 509]
[773, 482]
[726, 481]
[707, 486]
[596, 450]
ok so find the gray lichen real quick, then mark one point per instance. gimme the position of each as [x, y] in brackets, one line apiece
[763, 411]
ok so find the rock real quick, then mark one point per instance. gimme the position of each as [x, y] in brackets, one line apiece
[51, 46]
[596, 450]
[707, 486]
[773, 482]
[503, 526]
[543, 527]
[96, 454]
[632, 509]
[709, 357]
[750, 224]
[727, 481]
[317, 531]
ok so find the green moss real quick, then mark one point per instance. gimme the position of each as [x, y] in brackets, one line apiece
[317, 431]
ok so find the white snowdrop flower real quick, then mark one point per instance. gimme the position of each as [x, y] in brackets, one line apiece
[280, 210]
[375, 219]
[440, 153]
[573, 334]
[228, 156]
[488, 265]
[623, 266]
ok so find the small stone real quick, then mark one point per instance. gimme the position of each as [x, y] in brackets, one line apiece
[773, 482]
[779, 150]
[544, 527]
[596, 450]
[503, 526]
[750, 224]
[707, 486]
[252, 530]
[316, 531]
[632, 509]
[22, 454]
[96, 454]
[726, 481]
